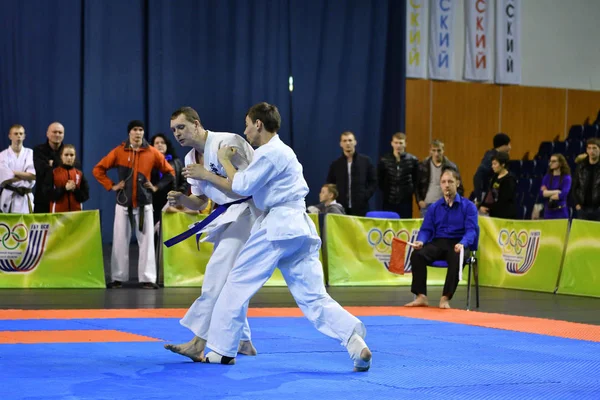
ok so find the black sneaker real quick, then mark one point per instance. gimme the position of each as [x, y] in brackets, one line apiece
[149, 285]
[114, 285]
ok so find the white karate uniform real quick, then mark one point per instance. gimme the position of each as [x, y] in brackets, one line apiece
[283, 237]
[9, 162]
[228, 232]
[119, 262]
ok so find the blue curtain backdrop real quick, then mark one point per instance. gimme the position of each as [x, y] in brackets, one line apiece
[94, 65]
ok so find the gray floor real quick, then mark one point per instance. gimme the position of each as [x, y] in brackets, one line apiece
[503, 301]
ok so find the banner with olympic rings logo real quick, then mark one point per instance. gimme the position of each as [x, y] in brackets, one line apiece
[359, 249]
[61, 250]
[521, 254]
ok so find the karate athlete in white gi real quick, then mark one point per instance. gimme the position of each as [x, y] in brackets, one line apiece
[17, 174]
[228, 232]
[283, 237]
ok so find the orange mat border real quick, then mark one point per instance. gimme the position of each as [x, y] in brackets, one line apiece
[540, 326]
[71, 336]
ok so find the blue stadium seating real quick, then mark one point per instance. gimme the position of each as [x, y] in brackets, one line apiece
[576, 132]
[560, 147]
[590, 131]
[545, 150]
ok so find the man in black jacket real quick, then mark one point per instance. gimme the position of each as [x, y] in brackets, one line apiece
[354, 176]
[46, 157]
[586, 183]
[428, 189]
[484, 173]
[397, 176]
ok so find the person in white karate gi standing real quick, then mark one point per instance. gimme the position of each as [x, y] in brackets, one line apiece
[228, 232]
[17, 174]
[283, 237]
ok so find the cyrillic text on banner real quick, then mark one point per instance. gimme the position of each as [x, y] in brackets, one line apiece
[478, 62]
[508, 41]
[441, 39]
[416, 38]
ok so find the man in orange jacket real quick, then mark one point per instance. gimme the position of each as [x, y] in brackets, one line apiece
[134, 160]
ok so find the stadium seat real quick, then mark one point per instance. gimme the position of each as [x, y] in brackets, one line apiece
[560, 148]
[527, 167]
[514, 167]
[541, 167]
[545, 150]
[590, 131]
[383, 214]
[575, 133]
[523, 185]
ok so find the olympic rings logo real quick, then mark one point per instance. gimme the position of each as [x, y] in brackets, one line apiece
[512, 241]
[12, 238]
[381, 241]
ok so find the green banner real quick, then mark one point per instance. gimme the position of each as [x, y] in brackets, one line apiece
[358, 251]
[581, 270]
[183, 264]
[62, 250]
[521, 254]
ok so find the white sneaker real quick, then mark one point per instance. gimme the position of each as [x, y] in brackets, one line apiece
[360, 353]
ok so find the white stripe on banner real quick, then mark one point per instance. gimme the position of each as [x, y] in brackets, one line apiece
[441, 39]
[416, 38]
[508, 41]
[478, 63]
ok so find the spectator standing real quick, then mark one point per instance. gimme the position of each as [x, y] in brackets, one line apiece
[46, 157]
[397, 177]
[66, 187]
[500, 199]
[354, 176]
[556, 185]
[484, 172]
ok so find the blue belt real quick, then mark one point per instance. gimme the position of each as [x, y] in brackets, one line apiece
[202, 224]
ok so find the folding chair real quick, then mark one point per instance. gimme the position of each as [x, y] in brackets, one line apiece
[471, 261]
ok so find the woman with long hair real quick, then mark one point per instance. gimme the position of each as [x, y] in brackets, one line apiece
[555, 188]
[159, 198]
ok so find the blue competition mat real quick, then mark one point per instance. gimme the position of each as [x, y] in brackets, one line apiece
[412, 359]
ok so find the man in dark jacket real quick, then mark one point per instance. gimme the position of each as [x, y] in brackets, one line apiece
[354, 176]
[397, 174]
[586, 183]
[46, 157]
[430, 171]
[483, 175]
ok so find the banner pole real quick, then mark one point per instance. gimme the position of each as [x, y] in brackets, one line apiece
[564, 254]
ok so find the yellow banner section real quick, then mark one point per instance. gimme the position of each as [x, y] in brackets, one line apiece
[521, 254]
[358, 251]
[183, 264]
[62, 250]
[581, 269]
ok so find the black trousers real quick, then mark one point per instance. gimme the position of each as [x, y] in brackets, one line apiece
[437, 250]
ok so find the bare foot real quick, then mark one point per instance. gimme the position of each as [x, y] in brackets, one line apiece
[194, 349]
[444, 302]
[246, 348]
[420, 301]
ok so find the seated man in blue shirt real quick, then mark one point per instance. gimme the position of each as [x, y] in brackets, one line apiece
[449, 226]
